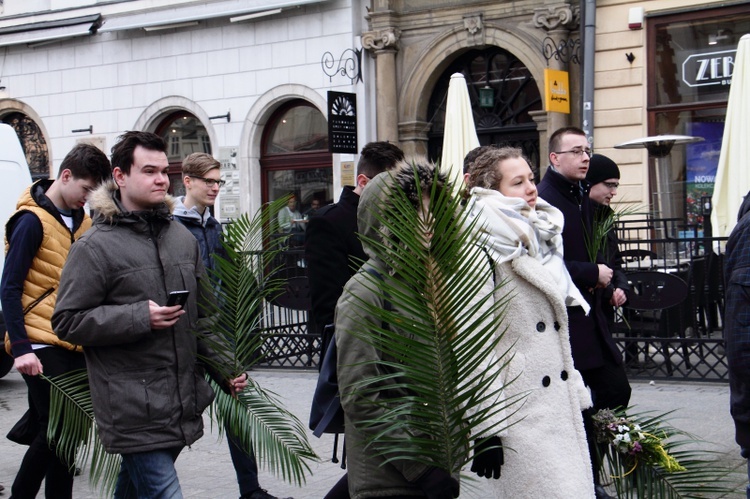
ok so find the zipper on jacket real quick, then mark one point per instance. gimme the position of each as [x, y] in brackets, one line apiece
[153, 237]
[36, 302]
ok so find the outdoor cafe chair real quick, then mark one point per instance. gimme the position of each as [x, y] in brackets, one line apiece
[656, 307]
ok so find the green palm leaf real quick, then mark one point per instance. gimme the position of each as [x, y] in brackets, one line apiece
[275, 433]
[441, 332]
[242, 280]
[72, 428]
[704, 475]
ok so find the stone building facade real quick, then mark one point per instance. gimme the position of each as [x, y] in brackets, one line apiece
[639, 75]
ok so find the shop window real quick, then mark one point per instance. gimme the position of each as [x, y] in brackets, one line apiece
[504, 118]
[295, 157]
[691, 57]
[184, 134]
[33, 143]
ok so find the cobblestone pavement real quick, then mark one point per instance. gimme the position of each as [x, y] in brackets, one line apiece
[205, 470]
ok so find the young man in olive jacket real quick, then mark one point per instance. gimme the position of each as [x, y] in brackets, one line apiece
[595, 354]
[147, 391]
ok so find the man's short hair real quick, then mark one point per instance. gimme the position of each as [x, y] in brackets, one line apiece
[377, 157]
[472, 155]
[122, 151]
[198, 164]
[556, 138]
[87, 162]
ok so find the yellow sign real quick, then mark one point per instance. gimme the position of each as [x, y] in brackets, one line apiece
[347, 173]
[556, 91]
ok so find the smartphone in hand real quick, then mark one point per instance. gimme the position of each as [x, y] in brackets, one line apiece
[177, 298]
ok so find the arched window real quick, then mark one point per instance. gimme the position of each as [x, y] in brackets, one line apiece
[184, 135]
[295, 158]
[504, 119]
[33, 143]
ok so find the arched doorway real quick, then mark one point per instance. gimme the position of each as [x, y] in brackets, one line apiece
[33, 143]
[184, 135]
[505, 120]
[294, 155]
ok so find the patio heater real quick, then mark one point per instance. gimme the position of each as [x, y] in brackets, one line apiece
[659, 148]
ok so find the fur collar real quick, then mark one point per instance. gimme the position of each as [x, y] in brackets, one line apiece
[105, 201]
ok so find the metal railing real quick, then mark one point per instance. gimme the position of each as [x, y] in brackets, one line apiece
[681, 342]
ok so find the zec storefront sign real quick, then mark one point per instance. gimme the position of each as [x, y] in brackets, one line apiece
[709, 68]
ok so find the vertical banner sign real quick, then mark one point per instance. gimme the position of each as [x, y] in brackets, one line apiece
[229, 195]
[556, 91]
[342, 122]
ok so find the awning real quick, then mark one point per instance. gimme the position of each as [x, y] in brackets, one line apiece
[49, 31]
[193, 13]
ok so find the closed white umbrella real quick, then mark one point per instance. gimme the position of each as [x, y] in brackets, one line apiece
[460, 134]
[733, 171]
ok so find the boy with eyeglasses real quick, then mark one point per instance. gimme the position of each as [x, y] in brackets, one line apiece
[201, 175]
[595, 353]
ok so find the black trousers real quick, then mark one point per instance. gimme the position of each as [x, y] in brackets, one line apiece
[609, 389]
[41, 462]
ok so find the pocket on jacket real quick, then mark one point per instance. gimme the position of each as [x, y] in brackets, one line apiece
[204, 394]
[142, 400]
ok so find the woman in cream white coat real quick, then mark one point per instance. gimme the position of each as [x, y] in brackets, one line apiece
[545, 451]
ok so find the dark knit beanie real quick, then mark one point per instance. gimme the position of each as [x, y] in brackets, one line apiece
[601, 168]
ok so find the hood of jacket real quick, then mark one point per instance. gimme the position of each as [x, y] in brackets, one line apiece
[108, 209]
[191, 215]
[37, 195]
[413, 179]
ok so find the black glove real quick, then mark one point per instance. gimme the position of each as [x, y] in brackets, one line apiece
[438, 484]
[487, 461]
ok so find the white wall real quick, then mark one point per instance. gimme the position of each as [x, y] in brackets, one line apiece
[113, 80]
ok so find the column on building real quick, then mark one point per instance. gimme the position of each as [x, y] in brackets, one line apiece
[382, 44]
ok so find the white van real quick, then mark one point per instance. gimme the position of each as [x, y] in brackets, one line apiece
[14, 178]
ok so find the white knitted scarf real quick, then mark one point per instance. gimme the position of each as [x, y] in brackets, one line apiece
[512, 228]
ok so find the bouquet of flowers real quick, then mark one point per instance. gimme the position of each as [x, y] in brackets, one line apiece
[645, 457]
[636, 445]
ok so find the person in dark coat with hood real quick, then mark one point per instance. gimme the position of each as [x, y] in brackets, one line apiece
[595, 354]
[737, 327]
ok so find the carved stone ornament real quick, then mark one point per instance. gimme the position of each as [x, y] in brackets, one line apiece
[473, 23]
[381, 39]
[556, 16]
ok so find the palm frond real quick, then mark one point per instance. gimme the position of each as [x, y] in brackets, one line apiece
[441, 332]
[242, 280]
[690, 471]
[604, 221]
[275, 433]
[72, 429]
